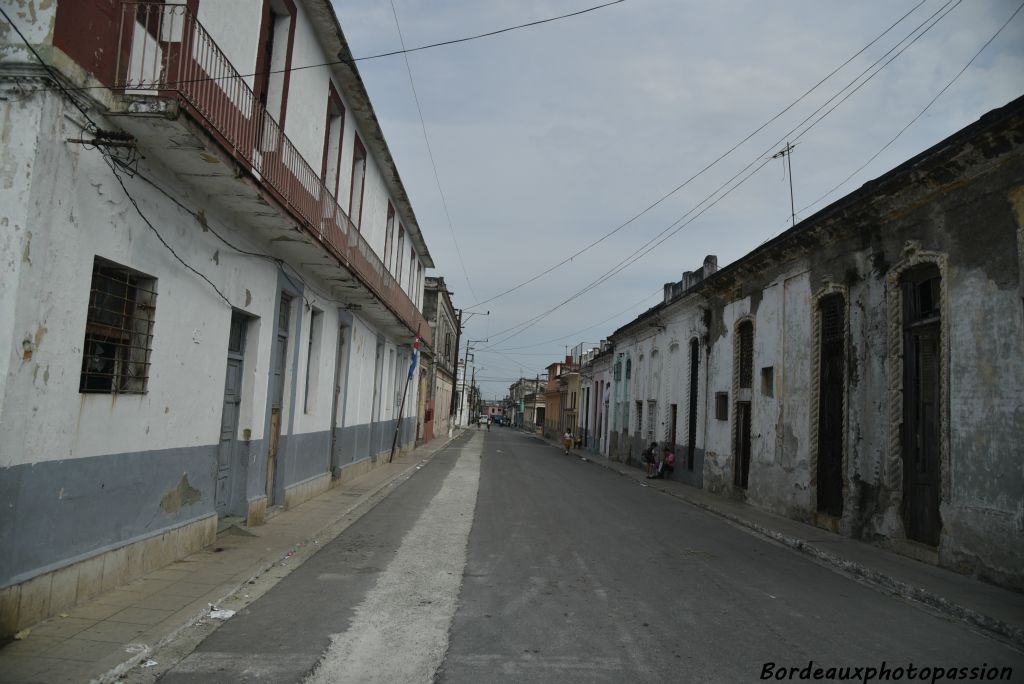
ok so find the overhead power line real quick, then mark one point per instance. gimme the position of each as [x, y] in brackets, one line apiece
[430, 153]
[53, 76]
[760, 162]
[920, 113]
[391, 53]
[571, 335]
[702, 171]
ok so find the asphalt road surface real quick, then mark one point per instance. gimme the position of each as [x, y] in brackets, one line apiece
[503, 560]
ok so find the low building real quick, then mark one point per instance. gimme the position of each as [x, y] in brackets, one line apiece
[517, 394]
[863, 371]
[595, 378]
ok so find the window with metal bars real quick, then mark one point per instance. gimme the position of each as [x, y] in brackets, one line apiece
[118, 330]
[833, 324]
[746, 341]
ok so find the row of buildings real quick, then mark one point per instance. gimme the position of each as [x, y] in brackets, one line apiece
[213, 285]
[863, 371]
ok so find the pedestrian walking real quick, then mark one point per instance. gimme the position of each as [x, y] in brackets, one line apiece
[567, 441]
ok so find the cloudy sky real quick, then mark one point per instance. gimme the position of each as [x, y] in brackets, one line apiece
[547, 138]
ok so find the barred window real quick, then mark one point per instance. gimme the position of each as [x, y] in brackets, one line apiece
[746, 342]
[721, 406]
[118, 330]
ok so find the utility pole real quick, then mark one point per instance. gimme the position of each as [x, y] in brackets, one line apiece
[455, 389]
[787, 153]
[455, 392]
[472, 383]
[465, 370]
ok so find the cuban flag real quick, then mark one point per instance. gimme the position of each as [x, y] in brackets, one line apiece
[415, 356]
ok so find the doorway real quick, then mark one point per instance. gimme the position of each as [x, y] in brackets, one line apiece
[831, 387]
[277, 392]
[921, 402]
[227, 447]
[745, 368]
[338, 402]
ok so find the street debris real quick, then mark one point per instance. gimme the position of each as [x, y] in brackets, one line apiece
[136, 648]
[149, 663]
[23, 634]
[220, 613]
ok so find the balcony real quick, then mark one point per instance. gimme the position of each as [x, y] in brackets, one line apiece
[165, 57]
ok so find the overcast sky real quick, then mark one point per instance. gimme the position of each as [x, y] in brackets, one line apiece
[549, 137]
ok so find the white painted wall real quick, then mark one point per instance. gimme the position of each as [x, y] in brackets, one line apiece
[235, 25]
[89, 215]
[44, 297]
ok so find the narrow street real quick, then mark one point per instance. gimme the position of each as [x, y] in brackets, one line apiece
[568, 573]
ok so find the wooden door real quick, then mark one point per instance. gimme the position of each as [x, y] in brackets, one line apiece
[277, 393]
[921, 405]
[921, 466]
[229, 415]
[741, 473]
[830, 406]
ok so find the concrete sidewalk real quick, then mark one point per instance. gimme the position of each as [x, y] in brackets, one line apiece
[996, 610]
[103, 638]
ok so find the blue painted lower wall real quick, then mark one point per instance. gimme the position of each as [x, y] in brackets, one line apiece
[53, 513]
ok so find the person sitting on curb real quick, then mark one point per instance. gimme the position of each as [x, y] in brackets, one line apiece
[666, 466]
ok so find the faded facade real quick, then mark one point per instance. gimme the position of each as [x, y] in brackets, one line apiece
[518, 392]
[873, 360]
[597, 375]
[228, 331]
[440, 313]
[863, 371]
[569, 399]
[595, 379]
[658, 391]
[553, 401]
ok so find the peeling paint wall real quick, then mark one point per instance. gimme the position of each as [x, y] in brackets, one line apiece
[959, 207]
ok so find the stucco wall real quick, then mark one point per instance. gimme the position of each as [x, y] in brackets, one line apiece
[82, 473]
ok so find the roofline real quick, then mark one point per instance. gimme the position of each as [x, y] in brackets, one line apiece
[985, 121]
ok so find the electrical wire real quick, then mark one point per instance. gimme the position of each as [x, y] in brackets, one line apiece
[703, 170]
[919, 114]
[204, 221]
[392, 53]
[571, 335]
[679, 224]
[145, 219]
[430, 153]
[54, 76]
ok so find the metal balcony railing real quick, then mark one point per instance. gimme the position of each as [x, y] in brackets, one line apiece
[164, 51]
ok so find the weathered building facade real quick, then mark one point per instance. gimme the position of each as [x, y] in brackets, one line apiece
[595, 383]
[440, 313]
[212, 283]
[863, 371]
[553, 401]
